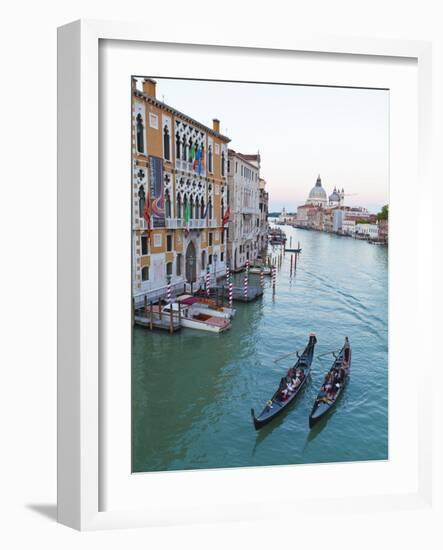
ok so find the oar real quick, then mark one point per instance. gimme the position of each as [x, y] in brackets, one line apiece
[327, 353]
[287, 355]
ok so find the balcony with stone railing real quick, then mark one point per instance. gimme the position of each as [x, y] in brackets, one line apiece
[186, 166]
[179, 223]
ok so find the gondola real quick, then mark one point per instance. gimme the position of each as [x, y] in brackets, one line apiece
[277, 403]
[296, 250]
[337, 378]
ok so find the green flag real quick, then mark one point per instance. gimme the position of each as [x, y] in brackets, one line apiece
[187, 213]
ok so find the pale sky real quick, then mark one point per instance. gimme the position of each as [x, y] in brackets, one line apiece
[301, 131]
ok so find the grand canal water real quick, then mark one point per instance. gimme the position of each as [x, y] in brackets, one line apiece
[193, 391]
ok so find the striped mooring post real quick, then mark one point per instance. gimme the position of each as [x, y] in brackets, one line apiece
[208, 282]
[245, 287]
[291, 264]
[168, 291]
[247, 267]
[229, 285]
[274, 277]
[262, 278]
[228, 274]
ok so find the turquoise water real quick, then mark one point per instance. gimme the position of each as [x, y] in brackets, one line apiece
[193, 391]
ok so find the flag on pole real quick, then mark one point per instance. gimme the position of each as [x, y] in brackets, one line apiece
[147, 215]
[205, 213]
[187, 216]
[199, 160]
[226, 216]
[194, 156]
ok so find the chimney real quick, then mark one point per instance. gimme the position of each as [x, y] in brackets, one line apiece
[149, 86]
[216, 125]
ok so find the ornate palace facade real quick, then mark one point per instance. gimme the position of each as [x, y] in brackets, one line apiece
[179, 189]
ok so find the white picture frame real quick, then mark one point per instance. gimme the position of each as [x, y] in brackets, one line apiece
[80, 366]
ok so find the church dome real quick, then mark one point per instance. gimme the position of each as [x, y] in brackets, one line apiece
[317, 193]
[334, 196]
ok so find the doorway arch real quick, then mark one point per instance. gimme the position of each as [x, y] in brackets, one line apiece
[191, 263]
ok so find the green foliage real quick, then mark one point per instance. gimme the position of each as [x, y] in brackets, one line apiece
[384, 214]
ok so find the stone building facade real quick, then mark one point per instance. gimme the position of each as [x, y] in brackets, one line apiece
[179, 186]
[245, 224]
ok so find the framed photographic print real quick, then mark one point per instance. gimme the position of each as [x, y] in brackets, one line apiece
[233, 267]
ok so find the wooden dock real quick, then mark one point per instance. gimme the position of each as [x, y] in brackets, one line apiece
[152, 317]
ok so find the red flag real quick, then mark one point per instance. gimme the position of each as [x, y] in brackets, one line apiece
[147, 215]
[226, 216]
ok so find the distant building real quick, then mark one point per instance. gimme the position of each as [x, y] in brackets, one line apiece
[330, 214]
[285, 218]
[244, 231]
[367, 231]
[348, 227]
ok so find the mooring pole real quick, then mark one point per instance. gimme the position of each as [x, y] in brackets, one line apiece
[274, 276]
[171, 319]
[152, 315]
[245, 287]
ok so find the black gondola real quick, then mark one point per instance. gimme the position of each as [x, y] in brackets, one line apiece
[296, 250]
[283, 397]
[333, 385]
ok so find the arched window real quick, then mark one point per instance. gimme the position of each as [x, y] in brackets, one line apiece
[210, 209]
[145, 273]
[202, 208]
[210, 158]
[223, 163]
[191, 209]
[184, 157]
[141, 201]
[178, 265]
[179, 206]
[167, 204]
[203, 266]
[166, 143]
[203, 157]
[177, 145]
[185, 205]
[190, 159]
[140, 134]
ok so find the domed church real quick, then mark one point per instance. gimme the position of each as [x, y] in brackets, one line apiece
[337, 197]
[317, 195]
